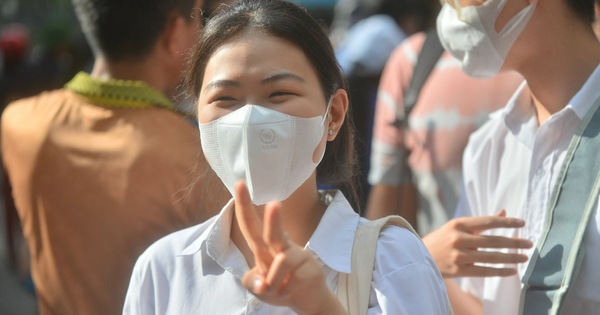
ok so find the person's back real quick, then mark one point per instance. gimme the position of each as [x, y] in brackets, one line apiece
[106, 166]
[362, 55]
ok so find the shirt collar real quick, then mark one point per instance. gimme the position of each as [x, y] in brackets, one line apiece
[333, 239]
[221, 225]
[331, 242]
[118, 93]
[520, 117]
[218, 244]
[587, 95]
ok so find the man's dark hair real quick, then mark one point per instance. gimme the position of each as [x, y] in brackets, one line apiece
[127, 29]
[402, 9]
[584, 9]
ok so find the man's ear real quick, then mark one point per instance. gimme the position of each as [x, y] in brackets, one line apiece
[337, 113]
[178, 35]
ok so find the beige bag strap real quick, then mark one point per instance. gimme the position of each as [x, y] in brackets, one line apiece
[354, 289]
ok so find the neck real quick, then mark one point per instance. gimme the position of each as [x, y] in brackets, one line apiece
[302, 212]
[558, 73]
[145, 70]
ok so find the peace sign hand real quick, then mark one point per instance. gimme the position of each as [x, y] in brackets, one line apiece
[284, 273]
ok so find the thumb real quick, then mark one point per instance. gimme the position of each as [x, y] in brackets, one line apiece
[501, 213]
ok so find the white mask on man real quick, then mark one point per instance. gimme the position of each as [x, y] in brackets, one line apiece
[470, 36]
[271, 151]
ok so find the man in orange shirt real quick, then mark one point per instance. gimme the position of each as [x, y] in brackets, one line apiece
[105, 166]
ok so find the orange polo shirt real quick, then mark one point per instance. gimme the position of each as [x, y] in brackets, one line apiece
[94, 186]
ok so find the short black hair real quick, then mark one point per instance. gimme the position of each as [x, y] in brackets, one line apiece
[402, 9]
[127, 29]
[584, 9]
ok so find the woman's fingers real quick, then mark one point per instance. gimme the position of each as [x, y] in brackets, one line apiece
[303, 279]
[284, 266]
[252, 227]
[273, 234]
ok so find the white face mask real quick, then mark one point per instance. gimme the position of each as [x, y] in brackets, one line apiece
[472, 37]
[271, 151]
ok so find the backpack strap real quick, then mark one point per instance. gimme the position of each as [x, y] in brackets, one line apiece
[557, 259]
[430, 53]
[354, 289]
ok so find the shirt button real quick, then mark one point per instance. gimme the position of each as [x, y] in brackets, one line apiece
[256, 304]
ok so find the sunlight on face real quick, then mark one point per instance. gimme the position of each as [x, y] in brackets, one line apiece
[259, 69]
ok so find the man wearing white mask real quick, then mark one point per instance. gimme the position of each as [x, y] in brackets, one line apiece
[533, 164]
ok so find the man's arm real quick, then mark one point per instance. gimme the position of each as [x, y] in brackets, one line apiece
[462, 302]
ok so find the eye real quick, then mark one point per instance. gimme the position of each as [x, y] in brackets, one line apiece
[222, 100]
[281, 95]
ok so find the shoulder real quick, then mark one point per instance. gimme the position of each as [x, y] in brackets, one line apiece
[25, 106]
[162, 254]
[31, 116]
[402, 246]
[406, 279]
[398, 247]
[407, 52]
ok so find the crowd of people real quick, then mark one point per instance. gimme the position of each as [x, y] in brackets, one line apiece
[243, 156]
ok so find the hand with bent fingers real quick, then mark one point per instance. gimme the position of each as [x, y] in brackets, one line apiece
[456, 246]
[284, 273]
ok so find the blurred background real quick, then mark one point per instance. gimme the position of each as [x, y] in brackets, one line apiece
[42, 48]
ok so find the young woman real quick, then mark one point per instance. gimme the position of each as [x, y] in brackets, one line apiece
[272, 107]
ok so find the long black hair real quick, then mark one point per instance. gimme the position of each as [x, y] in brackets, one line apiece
[290, 22]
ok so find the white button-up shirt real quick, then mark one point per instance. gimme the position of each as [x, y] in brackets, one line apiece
[512, 163]
[198, 270]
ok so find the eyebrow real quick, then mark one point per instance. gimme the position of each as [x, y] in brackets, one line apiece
[283, 76]
[269, 79]
[221, 83]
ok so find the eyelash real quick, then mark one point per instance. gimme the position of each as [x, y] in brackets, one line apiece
[230, 99]
[281, 93]
[224, 99]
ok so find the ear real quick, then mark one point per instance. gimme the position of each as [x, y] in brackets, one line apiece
[178, 35]
[337, 113]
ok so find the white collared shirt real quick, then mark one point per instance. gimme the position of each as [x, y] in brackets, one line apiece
[198, 270]
[512, 163]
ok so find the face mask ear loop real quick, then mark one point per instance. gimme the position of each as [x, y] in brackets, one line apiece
[326, 112]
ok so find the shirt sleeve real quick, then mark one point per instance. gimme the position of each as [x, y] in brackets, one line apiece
[140, 293]
[388, 154]
[405, 277]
